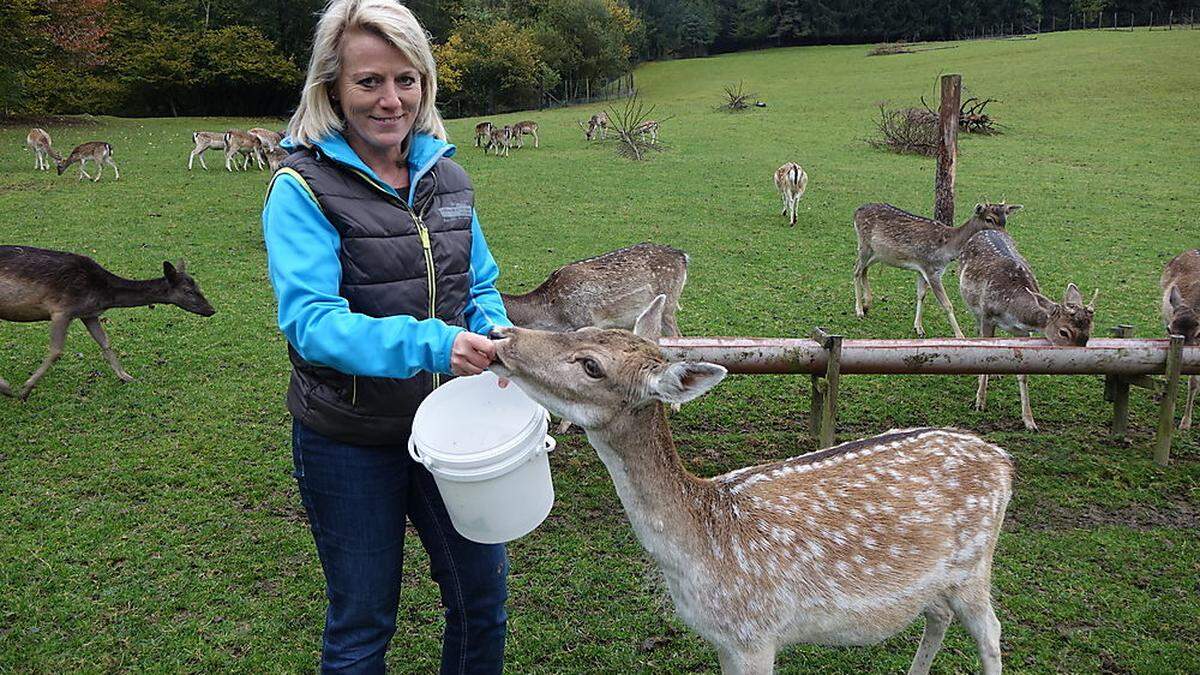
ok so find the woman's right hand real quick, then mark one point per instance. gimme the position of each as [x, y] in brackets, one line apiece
[471, 354]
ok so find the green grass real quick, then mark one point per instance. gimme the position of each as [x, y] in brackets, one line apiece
[155, 525]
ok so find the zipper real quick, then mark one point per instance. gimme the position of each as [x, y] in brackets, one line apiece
[354, 390]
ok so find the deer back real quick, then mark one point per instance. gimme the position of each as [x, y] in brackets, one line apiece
[38, 138]
[1181, 296]
[36, 283]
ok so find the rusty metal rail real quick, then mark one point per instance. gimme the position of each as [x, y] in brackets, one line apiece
[1124, 361]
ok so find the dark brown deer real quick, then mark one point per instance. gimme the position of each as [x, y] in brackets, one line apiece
[1181, 313]
[1000, 290]
[483, 134]
[901, 239]
[97, 152]
[846, 546]
[42, 285]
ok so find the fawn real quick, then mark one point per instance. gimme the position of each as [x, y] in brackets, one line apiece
[1181, 313]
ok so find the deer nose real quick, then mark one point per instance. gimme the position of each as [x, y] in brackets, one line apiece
[500, 332]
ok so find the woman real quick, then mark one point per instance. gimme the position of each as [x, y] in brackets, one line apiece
[385, 285]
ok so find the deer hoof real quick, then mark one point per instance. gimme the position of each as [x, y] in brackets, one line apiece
[125, 377]
[1030, 425]
[24, 395]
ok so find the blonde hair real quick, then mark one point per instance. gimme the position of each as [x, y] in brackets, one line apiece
[316, 117]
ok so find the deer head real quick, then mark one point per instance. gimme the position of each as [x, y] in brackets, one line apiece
[594, 376]
[184, 292]
[1184, 319]
[1069, 323]
[994, 215]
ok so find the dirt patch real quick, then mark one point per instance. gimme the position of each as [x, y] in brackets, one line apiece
[1045, 516]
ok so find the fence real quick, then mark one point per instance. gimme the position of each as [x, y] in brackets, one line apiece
[1124, 361]
[574, 92]
[1119, 20]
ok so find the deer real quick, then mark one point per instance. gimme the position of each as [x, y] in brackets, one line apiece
[500, 140]
[97, 152]
[1181, 313]
[38, 142]
[237, 141]
[790, 180]
[525, 128]
[56, 286]
[483, 134]
[998, 286]
[908, 241]
[275, 157]
[269, 139]
[204, 141]
[843, 546]
[648, 128]
[596, 124]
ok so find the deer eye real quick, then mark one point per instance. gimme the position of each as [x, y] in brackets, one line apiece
[1064, 332]
[592, 368]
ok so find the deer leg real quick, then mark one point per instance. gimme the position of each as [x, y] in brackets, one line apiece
[99, 170]
[101, 338]
[83, 173]
[5, 389]
[747, 661]
[986, 329]
[792, 209]
[202, 160]
[536, 143]
[783, 196]
[113, 164]
[977, 616]
[862, 288]
[922, 289]
[191, 158]
[935, 282]
[1193, 387]
[228, 158]
[58, 336]
[937, 619]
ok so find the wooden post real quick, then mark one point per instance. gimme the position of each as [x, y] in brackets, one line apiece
[1117, 391]
[825, 391]
[1171, 20]
[943, 186]
[1166, 413]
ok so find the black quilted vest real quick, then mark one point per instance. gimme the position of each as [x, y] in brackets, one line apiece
[385, 272]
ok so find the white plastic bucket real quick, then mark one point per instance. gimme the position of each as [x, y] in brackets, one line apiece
[487, 450]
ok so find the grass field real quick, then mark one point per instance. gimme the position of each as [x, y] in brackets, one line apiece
[155, 526]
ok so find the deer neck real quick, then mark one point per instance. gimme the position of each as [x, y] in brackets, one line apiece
[661, 499]
[959, 236]
[135, 293]
[525, 309]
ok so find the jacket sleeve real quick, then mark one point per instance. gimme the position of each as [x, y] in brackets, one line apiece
[305, 272]
[485, 308]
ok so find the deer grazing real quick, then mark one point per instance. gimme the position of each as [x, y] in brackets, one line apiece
[42, 285]
[1181, 313]
[999, 288]
[526, 128]
[648, 129]
[901, 239]
[275, 157]
[38, 142]
[596, 124]
[790, 180]
[483, 134]
[499, 141]
[607, 291]
[97, 152]
[269, 140]
[845, 546]
[237, 141]
[204, 141]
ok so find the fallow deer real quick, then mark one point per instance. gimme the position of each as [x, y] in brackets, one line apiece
[204, 141]
[999, 288]
[606, 291]
[901, 239]
[596, 124]
[269, 139]
[791, 181]
[42, 285]
[1181, 313]
[275, 157]
[97, 152]
[237, 141]
[38, 142]
[526, 128]
[649, 128]
[483, 134]
[500, 141]
[845, 546]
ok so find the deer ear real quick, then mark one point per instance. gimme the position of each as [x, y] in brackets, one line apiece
[1046, 304]
[169, 272]
[1009, 208]
[649, 323]
[682, 381]
[1175, 298]
[1072, 296]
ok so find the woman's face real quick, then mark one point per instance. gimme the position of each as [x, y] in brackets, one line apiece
[379, 91]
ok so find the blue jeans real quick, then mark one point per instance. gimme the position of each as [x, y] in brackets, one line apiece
[357, 498]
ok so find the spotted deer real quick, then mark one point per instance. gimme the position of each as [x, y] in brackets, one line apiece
[526, 128]
[205, 141]
[247, 144]
[499, 141]
[596, 124]
[791, 181]
[269, 139]
[483, 133]
[43, 285]
[999, 288]
[97, 152]
[648, 129]
[1181, 313]
[38, 142]
[845, 546]
[901, 239]
[275, 157]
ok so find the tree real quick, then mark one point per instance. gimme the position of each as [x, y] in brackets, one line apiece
[17, 26]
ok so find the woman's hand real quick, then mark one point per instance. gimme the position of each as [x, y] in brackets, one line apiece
[471, 354]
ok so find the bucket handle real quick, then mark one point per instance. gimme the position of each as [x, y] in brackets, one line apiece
[417, 457]
[550, 444]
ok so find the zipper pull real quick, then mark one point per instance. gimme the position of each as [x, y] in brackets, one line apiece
[422, 231]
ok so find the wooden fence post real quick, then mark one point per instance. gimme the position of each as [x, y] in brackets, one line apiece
[948, 112]
[823, 412]
[1166, 413]
[1117, 391]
